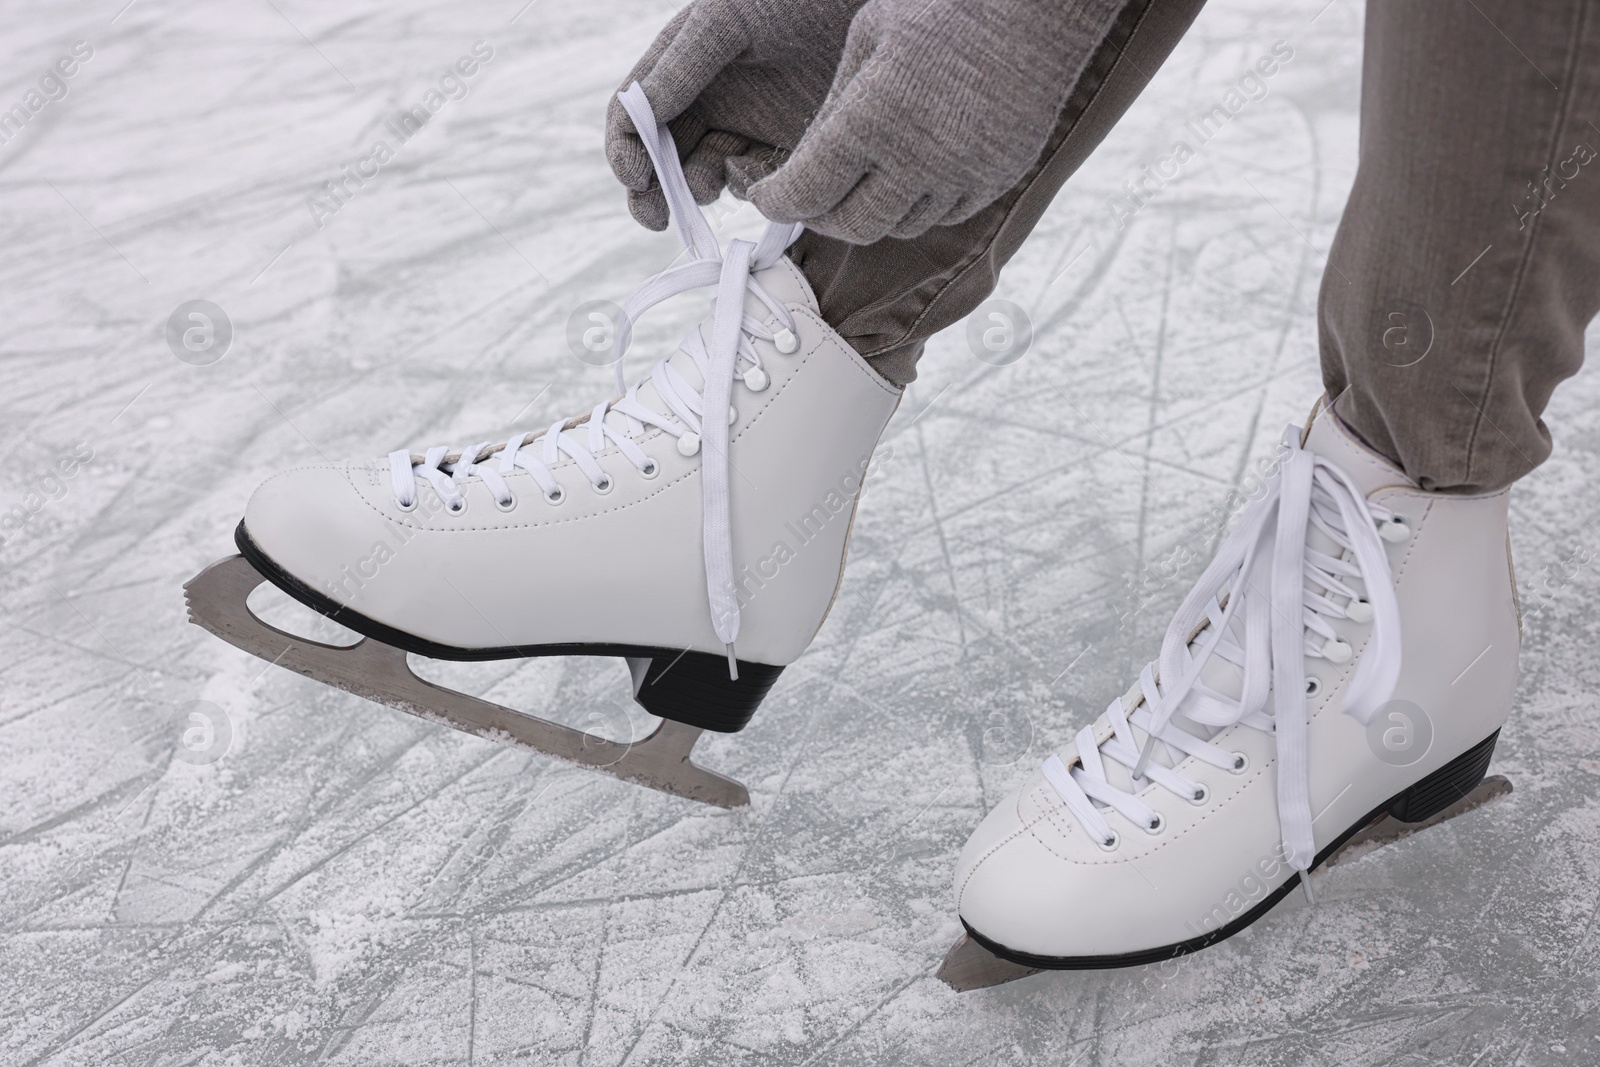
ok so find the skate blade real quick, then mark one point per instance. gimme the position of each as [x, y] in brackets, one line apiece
[1385, 829]
[968, 965]
[218, 598]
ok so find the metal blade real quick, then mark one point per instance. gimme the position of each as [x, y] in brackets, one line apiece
[218, 601]
[968, 965]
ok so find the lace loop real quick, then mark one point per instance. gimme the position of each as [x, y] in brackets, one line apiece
[1262, 606]
[728, 355]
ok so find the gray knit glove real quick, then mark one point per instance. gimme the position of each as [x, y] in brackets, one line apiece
[737, 82]
[938, 107]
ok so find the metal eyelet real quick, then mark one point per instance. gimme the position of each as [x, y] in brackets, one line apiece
[650, 469]
[1200, 796]
[453, 507]
[1110, 844]
[402, 506]
[1241, 763]
[508, 504]
[556, 497]
[604, 485]
[1157, 825]
[1313, 686]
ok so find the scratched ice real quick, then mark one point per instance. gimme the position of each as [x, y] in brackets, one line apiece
[350, 885]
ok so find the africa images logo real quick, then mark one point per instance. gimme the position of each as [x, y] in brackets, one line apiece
[53, 87]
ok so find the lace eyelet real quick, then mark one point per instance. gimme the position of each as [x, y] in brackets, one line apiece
[1110, 844]
[755, 379]
[556, 497]
[458, 506]
[508, 504]
[650, 469]
[785, 341]
[1157, 825]
[1313, 686]
[405, 506]
[688, 444]
[1200, 796]
[1241, 763]
[604, 485]
[1394, 530]
[1358, 610]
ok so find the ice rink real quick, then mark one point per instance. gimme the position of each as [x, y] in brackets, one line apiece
[318, 879]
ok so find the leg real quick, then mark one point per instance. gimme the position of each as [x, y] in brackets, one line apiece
[1455, 299]
[1468, 261]
[888, 298]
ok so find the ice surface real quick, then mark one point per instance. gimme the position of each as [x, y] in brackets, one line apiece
[346, 884]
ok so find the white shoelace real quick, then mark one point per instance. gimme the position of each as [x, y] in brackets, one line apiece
[728, 354]
[1284, 591]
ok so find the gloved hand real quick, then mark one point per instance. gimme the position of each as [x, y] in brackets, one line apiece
[938, 107]
[737, 82]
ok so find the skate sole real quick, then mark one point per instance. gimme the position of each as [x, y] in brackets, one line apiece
[682, 685]
[379, 671]
[976, 962]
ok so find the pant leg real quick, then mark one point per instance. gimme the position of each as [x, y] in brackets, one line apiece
[890, 297]
[1467, 263]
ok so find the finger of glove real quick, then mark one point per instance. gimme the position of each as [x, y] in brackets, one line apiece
[966, 205]
[707, 42]
[624, 151]
[630, 160]
[706, 168]
[820, 174]
[873, 208]
[757, 162]
[970, 203]
[649, 208]
[930, 211]
[849, 76]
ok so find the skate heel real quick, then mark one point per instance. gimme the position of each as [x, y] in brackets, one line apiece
[694, 688]
[1445, 786]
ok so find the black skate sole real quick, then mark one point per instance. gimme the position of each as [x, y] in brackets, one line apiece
[685, 686]
[1428, 797]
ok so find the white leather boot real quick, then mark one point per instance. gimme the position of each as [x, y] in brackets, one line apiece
[696, 525]
[1352, 650]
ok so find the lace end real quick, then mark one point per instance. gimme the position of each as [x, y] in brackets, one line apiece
[733, 663]
[1305, 883]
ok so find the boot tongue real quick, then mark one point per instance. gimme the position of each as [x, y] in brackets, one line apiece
[1328, 438]
[1333, 441]
[785, 284]
[782, 281]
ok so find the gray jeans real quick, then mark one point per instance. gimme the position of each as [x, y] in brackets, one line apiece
[1466, 265]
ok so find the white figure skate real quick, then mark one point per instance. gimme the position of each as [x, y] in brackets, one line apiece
[1337, 677]
[606, 535]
